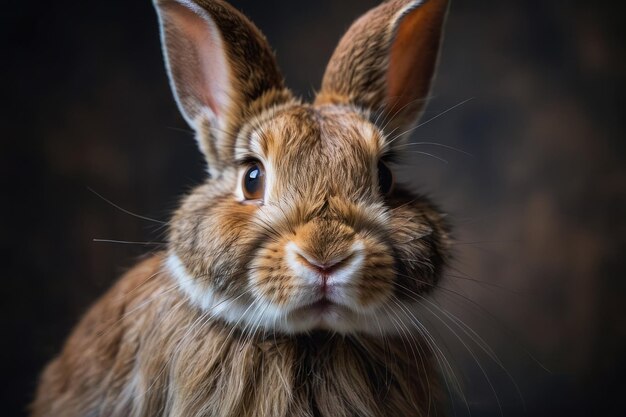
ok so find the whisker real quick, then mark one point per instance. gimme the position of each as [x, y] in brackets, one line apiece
[421, 358]
[388, 119]
[235, 326]
[470, 351]
[429, 154]
[441, 145]
[483, 344]
[124, 210]
[127, 242]
[485, 284]
[475, 242]
[469, 332]
[386, 351]
[430, 120]
[445, 365]
[482, 310]
[444, 112]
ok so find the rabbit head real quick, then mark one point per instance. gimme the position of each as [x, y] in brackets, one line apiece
[300, 225]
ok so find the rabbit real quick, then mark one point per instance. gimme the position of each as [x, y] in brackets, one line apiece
[292, 276]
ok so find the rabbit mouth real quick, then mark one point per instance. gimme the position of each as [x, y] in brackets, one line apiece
[320, 307]
[323, 314]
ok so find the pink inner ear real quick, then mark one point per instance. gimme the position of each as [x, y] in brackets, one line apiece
[414, 54]
[208, 79]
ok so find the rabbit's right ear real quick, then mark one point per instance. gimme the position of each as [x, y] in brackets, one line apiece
[221, 70]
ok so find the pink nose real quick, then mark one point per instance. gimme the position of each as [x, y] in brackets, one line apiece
[329, 273]
[322, 267]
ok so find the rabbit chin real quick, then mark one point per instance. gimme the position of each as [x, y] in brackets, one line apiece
[260, 315]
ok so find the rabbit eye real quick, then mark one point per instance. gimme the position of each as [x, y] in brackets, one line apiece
[254, 182]
[385, 178]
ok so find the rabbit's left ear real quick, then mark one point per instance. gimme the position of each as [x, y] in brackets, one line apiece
[221, 68]
[386, 60]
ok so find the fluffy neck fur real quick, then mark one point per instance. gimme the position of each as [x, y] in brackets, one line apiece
[219, 373]
[145, 350]
[193, 365]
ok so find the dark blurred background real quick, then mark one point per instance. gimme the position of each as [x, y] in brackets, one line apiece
[538, 204]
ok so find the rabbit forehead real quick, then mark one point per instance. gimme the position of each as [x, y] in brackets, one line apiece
[331, 140]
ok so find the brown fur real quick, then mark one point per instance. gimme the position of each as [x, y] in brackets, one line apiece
[142, 350]
[220, 324]
[385, 62]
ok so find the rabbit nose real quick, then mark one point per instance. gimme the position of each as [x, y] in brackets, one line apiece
[335, 270]
[322, 267]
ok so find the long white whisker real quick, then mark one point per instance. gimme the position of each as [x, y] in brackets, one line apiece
[452, 148]
[127, 242]
[124, 210]
[429, 120]
[466, 346]
[446, 366]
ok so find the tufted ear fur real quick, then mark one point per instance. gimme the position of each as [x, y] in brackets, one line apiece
[221, 70]
[386, 60]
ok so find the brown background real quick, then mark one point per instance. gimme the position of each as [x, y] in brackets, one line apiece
[539, 204]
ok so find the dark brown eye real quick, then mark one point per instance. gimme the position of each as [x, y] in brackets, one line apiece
[254, 182]
[385, 178]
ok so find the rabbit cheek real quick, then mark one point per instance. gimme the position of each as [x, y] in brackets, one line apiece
[421, 241]
[210, 237]
[270, 277]
[376, 283]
